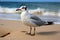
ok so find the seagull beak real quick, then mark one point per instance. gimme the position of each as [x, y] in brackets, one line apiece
[18, 9]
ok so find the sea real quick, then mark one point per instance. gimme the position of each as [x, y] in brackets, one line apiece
[51, 10]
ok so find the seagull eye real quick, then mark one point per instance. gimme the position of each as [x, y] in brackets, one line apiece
[23, 8]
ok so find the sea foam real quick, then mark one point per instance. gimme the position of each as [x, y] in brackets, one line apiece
[38, 11]
[7, 10]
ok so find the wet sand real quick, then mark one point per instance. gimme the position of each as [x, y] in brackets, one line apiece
[15, 30]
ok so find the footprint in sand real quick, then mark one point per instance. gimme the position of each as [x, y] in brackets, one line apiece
[5, 35]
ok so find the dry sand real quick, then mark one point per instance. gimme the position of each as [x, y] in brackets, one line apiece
[18, 31]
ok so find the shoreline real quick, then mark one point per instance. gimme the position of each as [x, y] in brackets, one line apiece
[20, 20]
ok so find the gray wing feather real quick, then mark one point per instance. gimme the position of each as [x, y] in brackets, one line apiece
[39, 23]
[34, 17]
[37, 20]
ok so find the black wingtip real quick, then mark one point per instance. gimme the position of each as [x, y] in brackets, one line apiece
[50, 23]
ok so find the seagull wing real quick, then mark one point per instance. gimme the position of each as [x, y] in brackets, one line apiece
[37, 20]
[34, 17]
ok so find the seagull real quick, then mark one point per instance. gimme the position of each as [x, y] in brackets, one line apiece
[29, 19]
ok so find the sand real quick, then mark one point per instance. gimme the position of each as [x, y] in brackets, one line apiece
[15, 30]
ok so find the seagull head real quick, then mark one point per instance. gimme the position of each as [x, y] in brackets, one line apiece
[22, 8]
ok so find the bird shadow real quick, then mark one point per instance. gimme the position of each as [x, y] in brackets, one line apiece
[48, 33]
[23, 31]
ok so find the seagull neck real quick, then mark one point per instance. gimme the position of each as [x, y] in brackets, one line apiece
[24, 13]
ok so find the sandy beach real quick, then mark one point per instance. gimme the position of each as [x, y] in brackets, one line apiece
[15, 30]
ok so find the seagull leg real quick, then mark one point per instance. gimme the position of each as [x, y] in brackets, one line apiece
[34, 32]
[29, 31]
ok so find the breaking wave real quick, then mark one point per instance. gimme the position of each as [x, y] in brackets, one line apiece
[38, 11]
[7, 10]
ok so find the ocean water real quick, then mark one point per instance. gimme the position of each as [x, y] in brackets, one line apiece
[51, 10]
